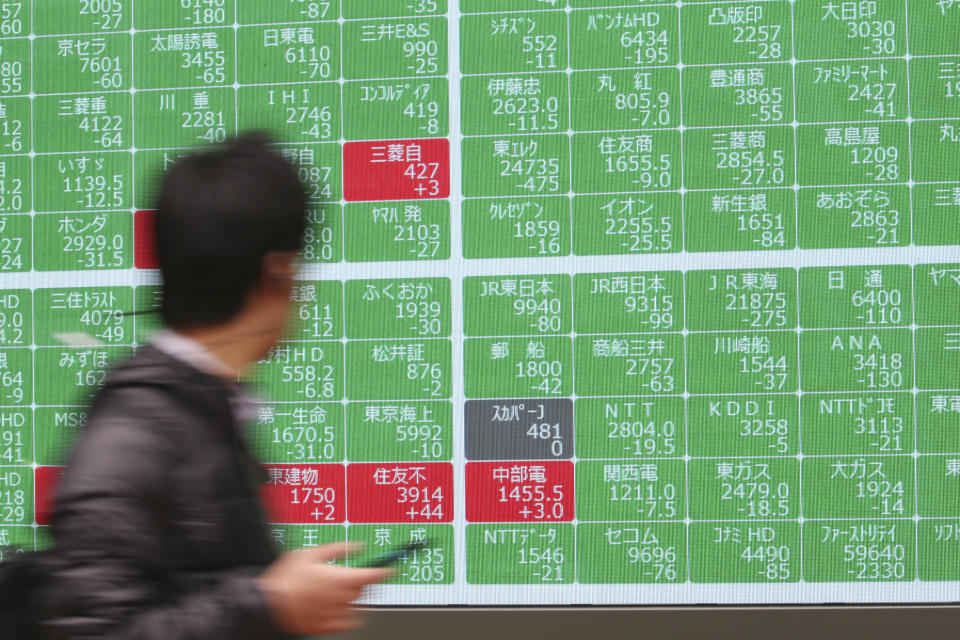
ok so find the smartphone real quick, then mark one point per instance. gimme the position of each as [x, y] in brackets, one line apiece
[395, 556]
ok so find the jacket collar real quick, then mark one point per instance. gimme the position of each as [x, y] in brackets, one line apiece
[153, 367]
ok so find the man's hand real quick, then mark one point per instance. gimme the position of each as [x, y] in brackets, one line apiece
[307, 596]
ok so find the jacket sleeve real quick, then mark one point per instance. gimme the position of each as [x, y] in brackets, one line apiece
[109, 579]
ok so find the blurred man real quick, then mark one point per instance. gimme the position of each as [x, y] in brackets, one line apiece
[159, 531]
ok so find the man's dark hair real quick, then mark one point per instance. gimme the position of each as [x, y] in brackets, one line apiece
[221, 210]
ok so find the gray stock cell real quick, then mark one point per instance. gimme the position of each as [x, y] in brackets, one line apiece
[538, 429]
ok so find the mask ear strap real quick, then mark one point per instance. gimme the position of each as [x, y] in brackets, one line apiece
[281, 264]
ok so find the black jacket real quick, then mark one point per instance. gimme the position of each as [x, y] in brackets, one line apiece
[158, 527]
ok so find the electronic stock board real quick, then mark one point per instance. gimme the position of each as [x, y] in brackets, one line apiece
[614, 302]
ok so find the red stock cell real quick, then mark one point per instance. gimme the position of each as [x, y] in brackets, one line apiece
[396, 170]
[45, 482]
[304, 493]
[520, 491]
[144, 240]
[391, 492]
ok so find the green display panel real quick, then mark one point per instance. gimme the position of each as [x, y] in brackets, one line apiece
[675, 321]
